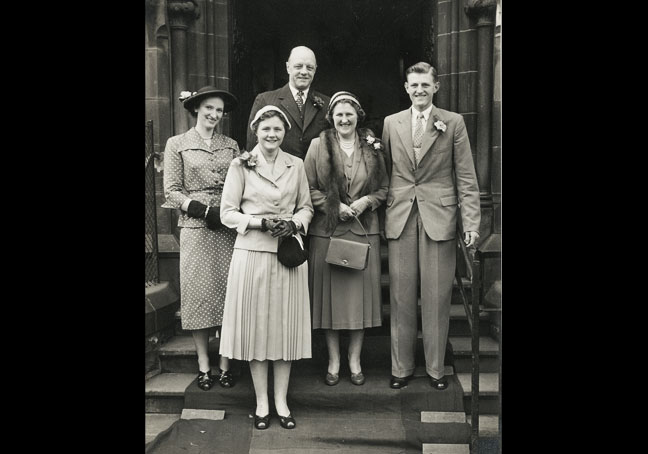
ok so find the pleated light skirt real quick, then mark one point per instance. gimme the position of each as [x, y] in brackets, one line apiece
[267, 309]
[344, 298]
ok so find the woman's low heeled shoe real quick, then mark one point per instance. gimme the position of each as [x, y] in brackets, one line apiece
[261, 423]
[287, 422]
[225, 378]
[358, 379]
[332, 379]
[205, 380]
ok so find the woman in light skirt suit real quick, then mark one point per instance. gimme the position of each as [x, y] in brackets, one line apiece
[267, 309]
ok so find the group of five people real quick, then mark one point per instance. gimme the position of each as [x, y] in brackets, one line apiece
[312, 170]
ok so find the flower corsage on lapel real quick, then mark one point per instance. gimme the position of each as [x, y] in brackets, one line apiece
[318, 102]
[439, 125]
[249, 160]
[376, 143]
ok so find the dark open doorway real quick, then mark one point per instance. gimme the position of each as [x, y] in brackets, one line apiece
[362, 46]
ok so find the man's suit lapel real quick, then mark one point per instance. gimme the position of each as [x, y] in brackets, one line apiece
[431, 133]
[309, 110]
[288, 104]
[404, 129]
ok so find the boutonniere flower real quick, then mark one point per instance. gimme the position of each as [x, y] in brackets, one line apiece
[318, 102]
[249, 160]
[371, 140]
[440, 125]
[185, 94]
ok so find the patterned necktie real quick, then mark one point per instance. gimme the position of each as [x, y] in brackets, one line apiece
[418, 137]
[299, 100]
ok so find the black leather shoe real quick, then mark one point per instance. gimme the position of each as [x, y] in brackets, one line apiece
[287, 422]
[262, 423]
[398, 382]
[225, 378]
[441, 383]
[205, 380]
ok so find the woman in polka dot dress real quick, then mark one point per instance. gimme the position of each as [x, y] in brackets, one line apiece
[195, 166]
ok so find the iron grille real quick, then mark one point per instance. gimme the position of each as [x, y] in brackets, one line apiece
[152, 271]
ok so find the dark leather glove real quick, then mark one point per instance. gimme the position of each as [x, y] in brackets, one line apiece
[213, 218]
[284, 228]
[267, 224]
[196, 209]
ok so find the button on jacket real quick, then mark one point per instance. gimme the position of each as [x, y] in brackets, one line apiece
[195, 170]
[258, 192]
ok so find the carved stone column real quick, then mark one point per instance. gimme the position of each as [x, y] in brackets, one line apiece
[180, 14]
[484, 12]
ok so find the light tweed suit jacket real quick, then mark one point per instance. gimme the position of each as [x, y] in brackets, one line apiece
[444, 183]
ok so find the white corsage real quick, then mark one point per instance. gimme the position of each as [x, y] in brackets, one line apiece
[185, 94]
[440, 126]
[248, 159]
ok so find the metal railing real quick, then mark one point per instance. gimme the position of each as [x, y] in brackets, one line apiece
[474, 270]
[152, 272]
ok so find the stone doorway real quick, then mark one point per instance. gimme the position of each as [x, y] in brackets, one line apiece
[362, 46]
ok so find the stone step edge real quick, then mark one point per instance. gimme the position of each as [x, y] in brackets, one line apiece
[445, 448]
[492, 351]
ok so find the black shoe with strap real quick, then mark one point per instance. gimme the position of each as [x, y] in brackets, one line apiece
[205, 380]
[287, 422]
[225, 378]
[262, 422]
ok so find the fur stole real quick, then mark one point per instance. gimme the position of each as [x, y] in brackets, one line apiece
[331, 168]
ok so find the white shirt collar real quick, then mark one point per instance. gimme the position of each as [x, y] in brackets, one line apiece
[426, 112]
[294, 91]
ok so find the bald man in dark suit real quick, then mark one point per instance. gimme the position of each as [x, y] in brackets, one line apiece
[305, 107]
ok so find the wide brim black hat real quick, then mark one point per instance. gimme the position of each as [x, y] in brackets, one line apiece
[229, 100]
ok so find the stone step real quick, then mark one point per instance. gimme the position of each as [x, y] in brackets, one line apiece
[445, 448]
[462, 354]
[488, 425]
[179, 354]
[372, 412]
[489, 399]
[165, 392]
[154, 423]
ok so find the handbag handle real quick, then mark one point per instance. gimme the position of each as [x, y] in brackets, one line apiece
[363, 229]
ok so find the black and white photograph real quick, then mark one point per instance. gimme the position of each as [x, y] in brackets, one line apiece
[323, 228]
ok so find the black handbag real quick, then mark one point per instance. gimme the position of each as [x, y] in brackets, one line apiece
[347, 253]
[291, 251]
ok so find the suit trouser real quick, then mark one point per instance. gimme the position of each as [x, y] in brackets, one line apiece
[413, 253]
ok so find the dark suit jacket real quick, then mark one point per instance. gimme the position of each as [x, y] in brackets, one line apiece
[444, 184]
[303, 130]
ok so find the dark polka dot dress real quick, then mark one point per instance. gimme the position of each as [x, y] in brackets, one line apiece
[196, 169]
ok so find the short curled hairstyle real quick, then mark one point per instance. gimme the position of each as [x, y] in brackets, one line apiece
[359, 110]
[422, 68]
[265, 116]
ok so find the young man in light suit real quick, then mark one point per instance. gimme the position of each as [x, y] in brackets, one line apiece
[306, 108]
[432, 181]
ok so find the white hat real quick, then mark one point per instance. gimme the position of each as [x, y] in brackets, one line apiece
[266, 109]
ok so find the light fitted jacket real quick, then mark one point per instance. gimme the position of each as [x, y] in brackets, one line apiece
[259, 193]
